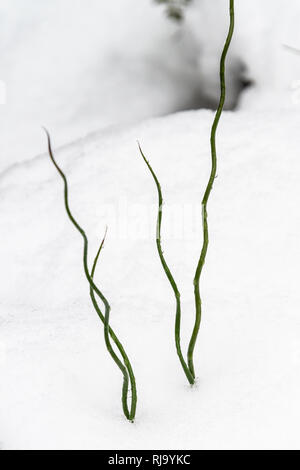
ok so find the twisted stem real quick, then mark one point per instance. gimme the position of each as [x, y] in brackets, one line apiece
[168, 273]
[208, 191]
[104, 318]
[125, 370]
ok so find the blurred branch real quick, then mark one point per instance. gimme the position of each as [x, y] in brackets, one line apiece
[175, 8]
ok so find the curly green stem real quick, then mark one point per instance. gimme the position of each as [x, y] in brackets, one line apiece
[208, 191]
[125, 370]
[168, 273]
[104, 318]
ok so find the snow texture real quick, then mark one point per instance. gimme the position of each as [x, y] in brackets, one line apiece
[61, 389]
[100, 78]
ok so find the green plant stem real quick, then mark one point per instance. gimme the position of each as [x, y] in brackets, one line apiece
[208, 191]
[168, 273]
[125, 370]
[104, 318]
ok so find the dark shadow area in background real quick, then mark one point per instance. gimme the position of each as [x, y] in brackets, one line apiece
[200, 99]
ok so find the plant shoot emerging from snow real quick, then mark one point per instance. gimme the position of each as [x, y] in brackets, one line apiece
[208, 191]
[188, 367]
[169, 275]
[124, 364]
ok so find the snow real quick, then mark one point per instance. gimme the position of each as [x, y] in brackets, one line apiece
[77, 69]
[60, 387]
[101, 78]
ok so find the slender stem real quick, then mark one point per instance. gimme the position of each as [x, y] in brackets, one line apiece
[168, 273]
[104, 318]
[125, 370]
[208, 191]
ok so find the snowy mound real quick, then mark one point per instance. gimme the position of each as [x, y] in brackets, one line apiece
[59, 387]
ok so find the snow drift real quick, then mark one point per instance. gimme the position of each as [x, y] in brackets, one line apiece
[60, 388]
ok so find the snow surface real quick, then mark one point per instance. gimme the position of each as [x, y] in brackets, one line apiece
[59, 387]
[99, 77]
